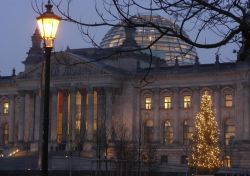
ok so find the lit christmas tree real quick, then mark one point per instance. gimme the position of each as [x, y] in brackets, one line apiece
[205, 151]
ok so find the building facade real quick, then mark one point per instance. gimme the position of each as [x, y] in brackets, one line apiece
[124, 96]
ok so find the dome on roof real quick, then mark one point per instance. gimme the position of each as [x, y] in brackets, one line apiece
[168, 48]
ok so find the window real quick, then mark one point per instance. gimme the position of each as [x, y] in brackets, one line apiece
[148, 131]
[148, 102]
[164, 159]
[5, 107]
[229, 132]
[187, 101]
[187, 133]
[227, 161]
[6, 133]
[228, 100]
[168, 133]
[184, 159]
[167, 102]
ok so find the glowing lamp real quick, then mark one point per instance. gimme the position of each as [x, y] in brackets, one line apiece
[48, 24]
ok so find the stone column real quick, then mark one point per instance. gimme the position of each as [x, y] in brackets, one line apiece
[21, 116]
[156, 108]
[109, 110]
[38, 117]
[31, 115]
[27, 117]
[196, 100]
[136, 114]
[12, 119]
[72, 130]
[65, 117]
[217, 106]
[176, 115]
[83, 117]
[53, 124]
[90, 118]
[246, 99]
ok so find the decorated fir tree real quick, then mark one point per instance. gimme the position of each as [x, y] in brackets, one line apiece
[205, 152]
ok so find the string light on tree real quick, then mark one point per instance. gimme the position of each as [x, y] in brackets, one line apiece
[205, 150]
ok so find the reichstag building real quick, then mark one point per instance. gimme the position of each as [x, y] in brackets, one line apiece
[102, 96]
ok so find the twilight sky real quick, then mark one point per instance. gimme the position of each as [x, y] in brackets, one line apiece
[18, 24]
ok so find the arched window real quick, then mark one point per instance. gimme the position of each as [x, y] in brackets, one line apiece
[186, 101]
[5, 133]
[148, 103]
[167, 133]
[227, 161]
[166, 97]
[186, 95]
[187, 133]
[148, 131]
[5, 107]
[228, 96]
[229, 132]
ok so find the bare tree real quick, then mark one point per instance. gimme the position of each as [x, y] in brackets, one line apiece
[229, 20]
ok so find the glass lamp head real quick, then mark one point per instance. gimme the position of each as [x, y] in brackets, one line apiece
[48, 24]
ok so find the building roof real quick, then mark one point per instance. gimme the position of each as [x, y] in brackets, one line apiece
[168, 48]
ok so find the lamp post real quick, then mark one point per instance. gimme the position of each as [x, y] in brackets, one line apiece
[48, 24]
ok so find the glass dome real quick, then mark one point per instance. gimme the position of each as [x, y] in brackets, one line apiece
[168, 48]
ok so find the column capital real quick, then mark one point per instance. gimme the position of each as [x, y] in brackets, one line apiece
[195, 88]
[156, 90]
[82, 90]
[73, 90]
[12, 96]
[22, 92]
[175, 89]
[31, 92]
[90, 89]
[54, 90]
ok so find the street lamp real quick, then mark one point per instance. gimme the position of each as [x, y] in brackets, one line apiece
[48, 24]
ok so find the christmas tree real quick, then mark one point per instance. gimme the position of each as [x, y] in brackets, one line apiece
[205, 152]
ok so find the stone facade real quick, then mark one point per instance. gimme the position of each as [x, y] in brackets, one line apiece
[93, 100]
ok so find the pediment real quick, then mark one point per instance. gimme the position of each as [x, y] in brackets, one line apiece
[67, 65]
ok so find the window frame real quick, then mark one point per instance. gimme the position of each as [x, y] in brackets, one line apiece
[5, 133]
[164, 158]
[5, 110]
[148, 131]
[167, 104]
[226, 100]
[148, 104]
[230, 133]
[168, 133]
[187, 133]
[187, 104]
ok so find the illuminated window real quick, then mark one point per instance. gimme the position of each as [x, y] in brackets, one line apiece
[229, 132]
[6, 133]
[148, 131]
[227, 161]
[228, 100]
[168, 133]
[5, 107]
[187, 101]
[148, 102]
[187, 133]
[167, 102]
